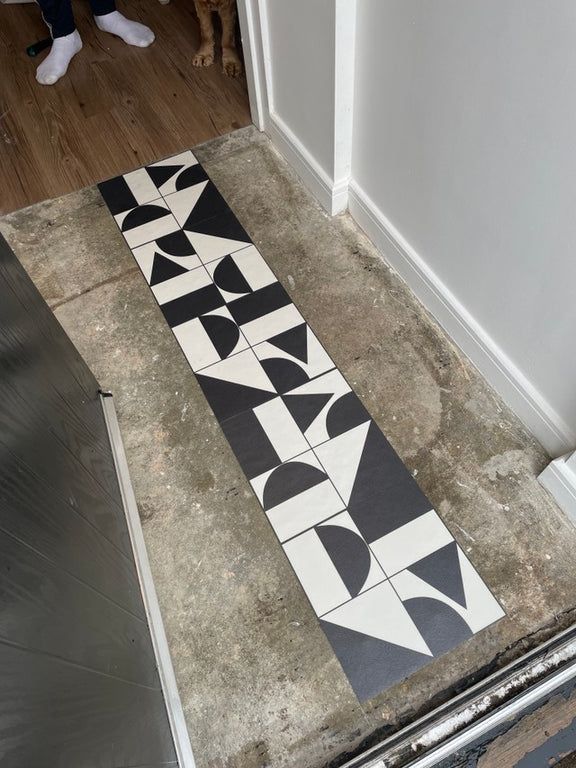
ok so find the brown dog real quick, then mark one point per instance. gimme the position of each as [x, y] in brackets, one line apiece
[226, 9]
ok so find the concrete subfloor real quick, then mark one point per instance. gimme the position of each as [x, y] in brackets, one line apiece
[259, 682]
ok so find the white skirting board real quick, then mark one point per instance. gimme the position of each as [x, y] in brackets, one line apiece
[559, 478]
[332, 196]
[159, 642]
[515, 389]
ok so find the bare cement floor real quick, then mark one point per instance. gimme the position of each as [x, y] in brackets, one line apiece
[259, 682]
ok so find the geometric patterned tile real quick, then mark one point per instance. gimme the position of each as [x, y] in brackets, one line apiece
[388, 582]
[126, 192]
[166, 257]
[146, 222]
[240, 273]
[264, 313]
[250, 443]
[417, 539]
[350, 553]
[333, 562]
[315, 404]
[281, 429]
[447, 587]
[293, 358]
[297, 495]
[235, 385]
[176, 173]
[380, 613]
[315, 570]
[372, 665]
[187, 296]
[195, 203]
[182, 284]
[209, 338]
[217, 237]
[370, 476]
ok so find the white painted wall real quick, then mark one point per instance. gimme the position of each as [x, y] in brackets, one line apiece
[464, 172]
[301, 44]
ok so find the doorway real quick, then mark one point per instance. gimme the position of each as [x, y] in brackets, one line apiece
[117, 108]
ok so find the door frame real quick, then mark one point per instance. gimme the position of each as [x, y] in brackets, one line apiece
[330, 186]
[251, 29]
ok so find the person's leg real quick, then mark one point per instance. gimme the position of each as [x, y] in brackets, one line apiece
[66, 41]
[108, 19]
[58, 16]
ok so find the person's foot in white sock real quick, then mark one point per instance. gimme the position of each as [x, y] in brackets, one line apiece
[56, 63]
[132, 32]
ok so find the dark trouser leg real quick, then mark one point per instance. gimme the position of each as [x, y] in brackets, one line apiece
[102, 7]
[58, 16]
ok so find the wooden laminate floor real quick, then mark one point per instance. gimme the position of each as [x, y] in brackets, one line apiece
[118, 107]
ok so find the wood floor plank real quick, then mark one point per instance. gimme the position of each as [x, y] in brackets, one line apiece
[118, 108]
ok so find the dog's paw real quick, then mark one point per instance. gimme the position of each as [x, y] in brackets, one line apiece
[203, 59]
[231, 63]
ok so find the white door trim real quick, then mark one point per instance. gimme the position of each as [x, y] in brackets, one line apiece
[251, 31]
[329, 187]
[344, 68]
[559, 478]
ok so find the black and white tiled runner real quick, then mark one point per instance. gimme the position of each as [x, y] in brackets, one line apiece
[389, 584]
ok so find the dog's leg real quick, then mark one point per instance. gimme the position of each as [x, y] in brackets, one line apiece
[205, 55]
[230, 59]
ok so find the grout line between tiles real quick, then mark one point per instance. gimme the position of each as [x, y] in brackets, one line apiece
[345, 602]
[311, 527]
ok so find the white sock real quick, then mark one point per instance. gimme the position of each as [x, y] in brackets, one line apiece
[132, 32]
[56, 63]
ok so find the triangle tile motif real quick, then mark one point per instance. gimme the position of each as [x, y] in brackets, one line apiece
[441, 570]
[390, 586]
[294, 342]
[164, 269]
[306, 408]
[161, 173]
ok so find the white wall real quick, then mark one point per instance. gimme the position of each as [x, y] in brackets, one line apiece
[464, 172]
[301, 41]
